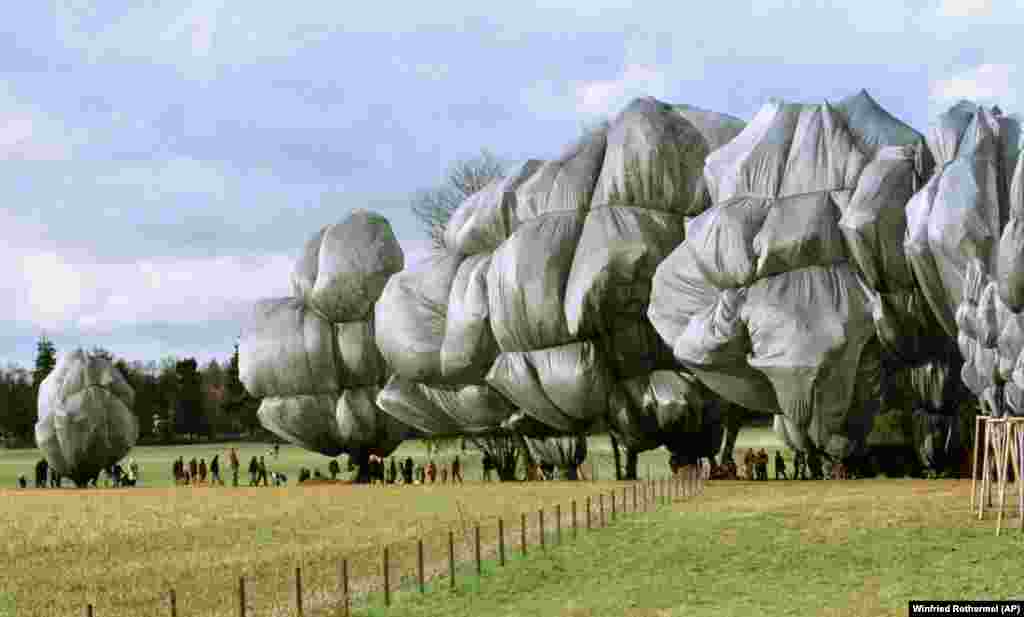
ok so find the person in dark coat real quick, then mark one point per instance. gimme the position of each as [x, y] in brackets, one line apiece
[193, 471]
[780, 466]
[215, 471]
[254, 472]
[407, 471]
[393, 472]
[263, 473]
[488, 465]
[202, 471]
[42, 471]
[456, 470]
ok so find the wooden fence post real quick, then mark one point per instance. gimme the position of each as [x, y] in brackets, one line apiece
[344, 585]
[625, 506]
[612, 495]
[479, 565]
[387, 578]
[540, 520]
[241, 596]
[88, 610]
[419, 565]
[451, 557]
[173, 600]
[558, 523]
[522, 532]
[573, 519]
[298, 589]
[634, 498]
[588, 512]
[501, 541]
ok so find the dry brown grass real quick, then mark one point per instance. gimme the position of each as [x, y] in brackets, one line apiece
[122, 550]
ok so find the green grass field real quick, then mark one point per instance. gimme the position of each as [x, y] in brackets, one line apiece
[859, 548]
[155, 461]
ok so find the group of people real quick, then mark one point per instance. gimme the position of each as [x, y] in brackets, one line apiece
[755, 467]
[117, 475]
[411, 473]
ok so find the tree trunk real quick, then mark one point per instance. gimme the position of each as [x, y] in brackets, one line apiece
[618, 458]
[632, 462]
[732, 418]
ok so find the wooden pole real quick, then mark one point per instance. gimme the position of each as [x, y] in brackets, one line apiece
[974, 461]
[241, 596]
[634, 498]
[540, 520]
[479, 564]
[419, 565]
[298, 589]
[344, 585]
[387, 577]
[985, 470]
[451, 557]
[573, 519]
[558, 523]
[173, 600]
[501, 541]
[625, 506]
[1004, 461]
[522, 532]
[612, 496]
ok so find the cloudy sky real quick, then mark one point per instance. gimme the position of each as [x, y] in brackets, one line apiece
[162, 166]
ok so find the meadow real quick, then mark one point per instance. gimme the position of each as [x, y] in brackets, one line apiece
[855, 548]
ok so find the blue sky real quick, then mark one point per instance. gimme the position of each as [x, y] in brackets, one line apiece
[163, 165]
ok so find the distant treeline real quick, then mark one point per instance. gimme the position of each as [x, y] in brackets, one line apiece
[175, 398]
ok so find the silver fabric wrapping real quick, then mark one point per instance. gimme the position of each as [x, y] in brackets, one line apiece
[353, 260]
[287, 349]
[85, 420]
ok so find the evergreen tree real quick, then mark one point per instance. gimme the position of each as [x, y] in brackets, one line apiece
[188, 410]
[238, 403]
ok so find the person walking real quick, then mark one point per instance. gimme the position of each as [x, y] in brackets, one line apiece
[263, 473]
[233, 460]
[202, 471]
[488, 465]
[334, 468]
[215, 470]
[407, 470]
[254, 471]
[42, 471]
[780, 466]
[431, 472]
[393, 472]
[762, 464]
[456, 470]
[193, 471]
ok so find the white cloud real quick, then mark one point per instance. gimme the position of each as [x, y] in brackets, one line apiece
[965, 8]
[607, 97]
[96, 297]
[986, 83]
[29, 134]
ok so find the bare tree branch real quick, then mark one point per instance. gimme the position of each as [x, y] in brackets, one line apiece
[434, 207]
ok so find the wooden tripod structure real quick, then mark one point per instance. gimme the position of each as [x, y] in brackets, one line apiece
[1002, 442]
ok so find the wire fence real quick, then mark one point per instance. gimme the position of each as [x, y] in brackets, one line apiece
[437, 561]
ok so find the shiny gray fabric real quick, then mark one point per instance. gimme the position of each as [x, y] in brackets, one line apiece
[439, 412]
[765, 301]
[287, 349]
[314, 358]
[354, 259]
[411, 317]
[85, 419]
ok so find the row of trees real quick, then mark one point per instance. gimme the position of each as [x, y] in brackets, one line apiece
[173, 397]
